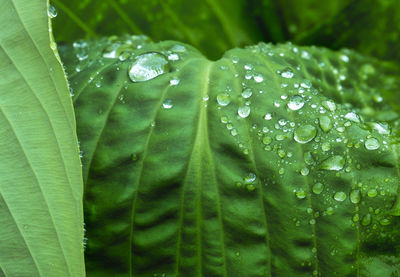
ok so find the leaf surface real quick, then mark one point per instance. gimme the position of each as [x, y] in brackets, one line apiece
[40, 176]
[271, 161]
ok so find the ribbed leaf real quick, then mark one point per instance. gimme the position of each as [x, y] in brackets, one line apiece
[40, 176]
[271, 161]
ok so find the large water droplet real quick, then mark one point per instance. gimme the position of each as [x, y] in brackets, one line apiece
[333, 163]
[305, 133]
[325, 123]
[366, 220]
[329, 105]
[223, 99]
[244, 111]
[340, 196]
[148, 66]
[318, 188]
[246, 93]
[372, 193]
[372, 144]
[296, 102]
[352, 116]
[355, 196]
[301, 194]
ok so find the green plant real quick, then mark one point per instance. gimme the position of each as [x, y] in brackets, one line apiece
[266, 160]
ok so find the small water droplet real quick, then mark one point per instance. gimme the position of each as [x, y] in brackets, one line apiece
[366, 220]
[333, 163]
[52, 12]
[355, 196]
[352, 116]
[268, 116]
[287, 73]
[384, 221]
[305, 134]
[301, 194]
[167, 104]
[267, 140]
[246, 93]
[174, 81]
[258, 78]
[244, 111]
[148, 66]
[223, 99]
[173, 57]
[318, 188]
[372, 144]
[340, 196]
[329, 105]
[372, 192]
[344, 58]
[296, 102]
[304, 171]
[325, 123]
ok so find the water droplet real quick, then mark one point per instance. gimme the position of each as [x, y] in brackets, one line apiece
[372, 193]
[384, 221]
[326, 146]
[356, 218]
[268, 116]
[223, 99]
[305, 133]
[352, 116]
[306, 84]
[340, 196]
[244, 111]
[355, 196]
[330, 211]
[267, 140]
[167, 104]
[234, 132]
[344, 58]
[381, 128]
[250, 178]
[124, 55]
[301, 194]
[304, 171]
[52, 12]
[296, 102]
[325, 123]
[148, 66]
[333, 163]
[174, 81]
[258, 78]
[247, 93]
[366, 220]
[329, 105]
[173, 57]
[318, 188]
[287, 73]
[372, 144]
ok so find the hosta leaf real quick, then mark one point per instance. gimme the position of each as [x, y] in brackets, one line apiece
[40, 175]
[213, 26]
[271, 161]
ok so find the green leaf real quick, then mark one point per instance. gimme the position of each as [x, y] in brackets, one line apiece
[213, 26]
[369, 26]
[271, 161]
[40, 176]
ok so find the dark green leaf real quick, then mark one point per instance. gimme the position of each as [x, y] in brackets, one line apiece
[271, 161]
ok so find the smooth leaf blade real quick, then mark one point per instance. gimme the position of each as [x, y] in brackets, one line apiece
[273, 160]
[40, 177]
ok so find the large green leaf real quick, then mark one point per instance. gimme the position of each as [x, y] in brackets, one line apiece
[40, 176]
[271, 161]
[213, 26]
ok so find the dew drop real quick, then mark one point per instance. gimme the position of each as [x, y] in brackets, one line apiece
[223, 99]
[246, 93]
[267, 140]
[372, 144]
[355, 196]
[372, 193]
[268, 116]
[52, 12]
[174, 81]
[305, 133]
[167, 104]
[287, 73]
[296, 102]
[325, 123]
[340, 196]
[301, 194]
[333, 163]
[352, 116]
[318, 188]
[366, 220]
[148, 66]
[384, 221]
[329, 105]
[258, 78]
[244, 111]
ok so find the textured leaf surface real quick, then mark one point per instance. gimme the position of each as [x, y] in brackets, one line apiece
[271, 161]
[213, 26]
[40, 176]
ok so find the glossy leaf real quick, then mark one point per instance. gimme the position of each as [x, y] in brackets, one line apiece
[40, 176]
[271, 161]
[213, 26]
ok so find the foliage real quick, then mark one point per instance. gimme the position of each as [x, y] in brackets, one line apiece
[207, 156]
